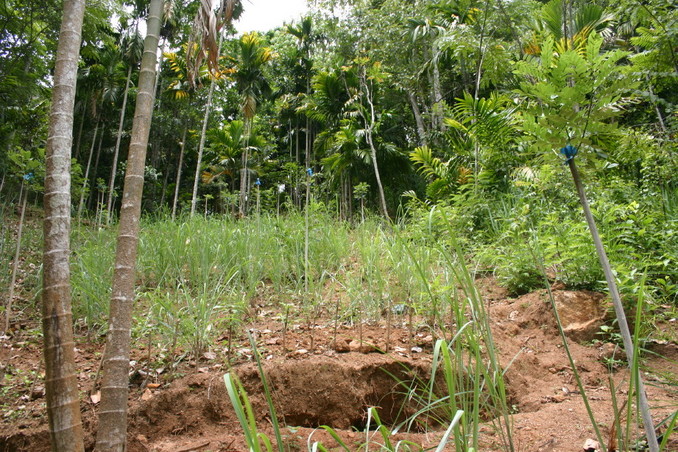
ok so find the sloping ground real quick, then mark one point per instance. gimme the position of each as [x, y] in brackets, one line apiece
[316, 385]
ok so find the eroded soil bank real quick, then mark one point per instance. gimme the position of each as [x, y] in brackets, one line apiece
[325, 377]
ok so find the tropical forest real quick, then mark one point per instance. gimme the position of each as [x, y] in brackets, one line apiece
[383, 225]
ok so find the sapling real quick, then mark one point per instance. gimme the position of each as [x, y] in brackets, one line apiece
[573, 93]
[629, 348]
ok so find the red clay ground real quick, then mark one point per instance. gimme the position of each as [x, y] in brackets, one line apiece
[316, 382]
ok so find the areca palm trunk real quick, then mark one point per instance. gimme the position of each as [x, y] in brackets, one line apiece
[116, 151]
[86, 178]
[112, 434]
[61, 384]
[201, 147]
[179, 165]
[245, 172]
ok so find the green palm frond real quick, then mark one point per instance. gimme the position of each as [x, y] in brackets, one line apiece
[428, 165]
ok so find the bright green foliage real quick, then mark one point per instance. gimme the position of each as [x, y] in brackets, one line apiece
[569, 28]
[248, 72]
[442, 176]
[572, 97]
[226, 145]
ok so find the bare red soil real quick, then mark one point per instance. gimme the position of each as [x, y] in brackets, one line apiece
[323, 379]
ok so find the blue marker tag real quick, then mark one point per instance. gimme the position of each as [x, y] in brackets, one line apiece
[569, 152]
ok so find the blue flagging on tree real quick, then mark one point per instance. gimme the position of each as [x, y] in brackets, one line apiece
[569, 152]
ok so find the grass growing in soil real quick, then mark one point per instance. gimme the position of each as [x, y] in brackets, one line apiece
[202, 281]
[202, 276]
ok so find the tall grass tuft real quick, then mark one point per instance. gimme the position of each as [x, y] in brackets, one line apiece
[472, 374]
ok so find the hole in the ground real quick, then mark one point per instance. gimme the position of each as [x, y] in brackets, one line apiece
[337, 393]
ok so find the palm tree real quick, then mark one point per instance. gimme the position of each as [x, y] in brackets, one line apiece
[61, 384]
[205, 45]
[131, 49]
[569, 28]
[112, 433]
[228, 143]
[428, 31]
[181, 90]
[349, 153]
[480, 126]
[305, 38]
[201, 146]
[248, 73]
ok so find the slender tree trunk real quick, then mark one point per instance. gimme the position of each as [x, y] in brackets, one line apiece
[245, 172]
[296, 140]
[23, 198]
[201, 147]
[86, 178]
[438, 111]
[76, 149]
[61, 384]
[373, 151]
[96, 165]
[421, 128]
[116, 151]
[165, 181]
[179, 165]
[369, 127]
[112, 434]
[618, 308]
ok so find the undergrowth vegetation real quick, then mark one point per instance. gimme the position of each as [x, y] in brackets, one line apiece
[201, 279]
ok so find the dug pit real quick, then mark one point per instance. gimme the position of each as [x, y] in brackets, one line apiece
[323, 390]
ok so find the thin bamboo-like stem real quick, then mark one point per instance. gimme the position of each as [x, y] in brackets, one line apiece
[618, 308]
[85, 179]
[15, 265]
[179, 165]
[201, 147]
[306, 226]
[116, 151]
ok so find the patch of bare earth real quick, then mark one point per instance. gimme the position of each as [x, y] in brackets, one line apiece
[325, 378]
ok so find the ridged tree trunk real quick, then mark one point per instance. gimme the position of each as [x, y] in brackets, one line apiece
[201, 146]
[116, 151]
[61, 384]
[112, 433]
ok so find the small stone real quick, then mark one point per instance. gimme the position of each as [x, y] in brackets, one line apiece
[428, 340]
[591, 445]
[147, 395]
